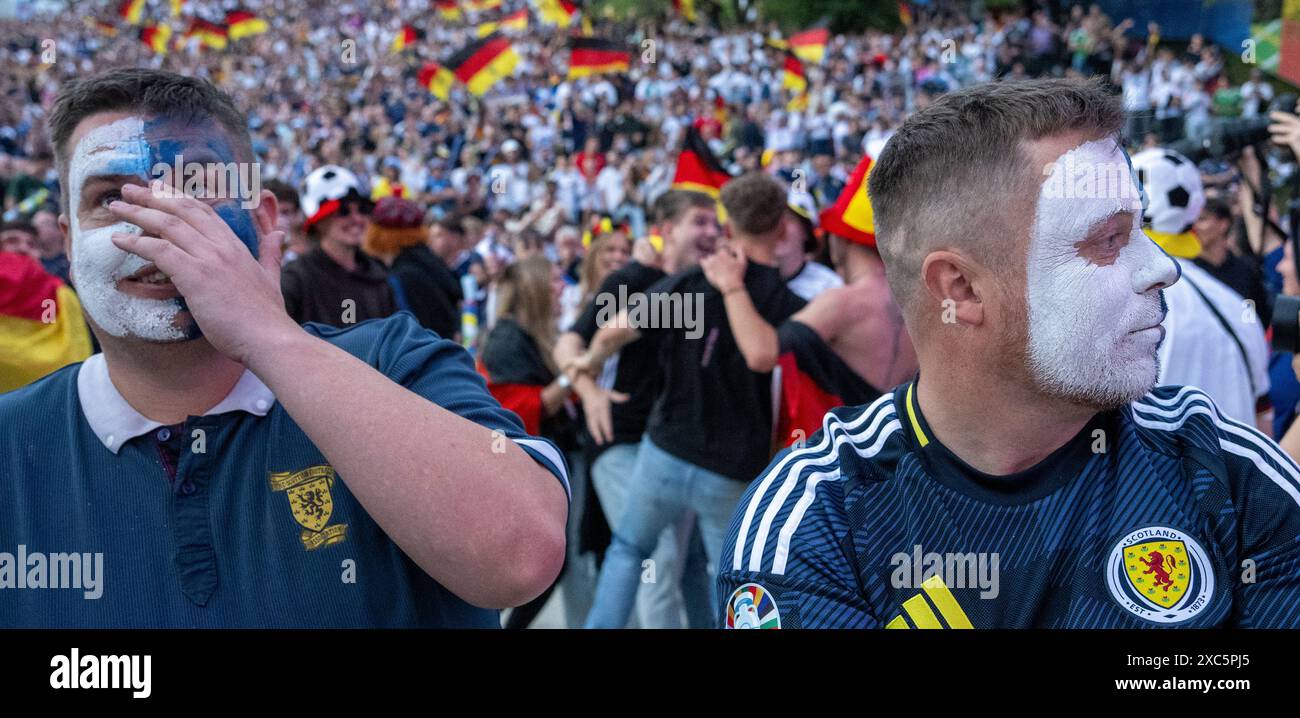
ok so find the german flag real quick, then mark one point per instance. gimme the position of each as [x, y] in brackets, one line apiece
[794, 78]
[905, 14]
[406, 37]
[813, 380]
[132, 11]
[517, 20]
[41, 325]
[697, 168]
[243, 23]
[557, 12]
[155, 37]
[104, 27]
[447, 9]
[851, 216]
[437, 79]
[810, 45]
[483, 62]
[210, 34]
[481, 5]
[686, 9]
[595, 56]
[177, 6]
[487, 28]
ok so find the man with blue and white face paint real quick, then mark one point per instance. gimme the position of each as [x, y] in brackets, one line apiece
[1032, 475]
[219, 465]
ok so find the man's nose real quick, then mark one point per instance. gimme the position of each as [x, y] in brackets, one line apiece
[1158, 271]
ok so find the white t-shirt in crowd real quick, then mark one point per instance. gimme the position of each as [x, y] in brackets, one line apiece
[813, 279]
[1197, 350]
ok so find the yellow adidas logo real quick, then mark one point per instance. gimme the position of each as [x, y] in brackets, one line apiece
[920, 613]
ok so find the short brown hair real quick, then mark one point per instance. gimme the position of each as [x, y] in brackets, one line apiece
[672, 205]
[755, 203]
[152, 92]
[947, 175]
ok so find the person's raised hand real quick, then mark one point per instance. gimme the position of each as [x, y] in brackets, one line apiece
[234, 298]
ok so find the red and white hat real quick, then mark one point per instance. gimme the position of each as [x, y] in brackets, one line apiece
[325, 188]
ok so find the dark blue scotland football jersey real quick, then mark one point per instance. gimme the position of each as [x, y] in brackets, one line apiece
[247, 526]
[1161, 513]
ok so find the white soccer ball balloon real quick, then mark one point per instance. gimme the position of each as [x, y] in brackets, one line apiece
[1174, 194]
[324, 184]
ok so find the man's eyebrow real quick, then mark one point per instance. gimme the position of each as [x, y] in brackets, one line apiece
[1107, 220]
[117, 179]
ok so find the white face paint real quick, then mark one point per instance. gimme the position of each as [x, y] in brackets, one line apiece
[1092, 309]
[117, 148]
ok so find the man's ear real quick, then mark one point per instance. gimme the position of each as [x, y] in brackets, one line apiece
[950, 279]
[267, 212]
[67, 235]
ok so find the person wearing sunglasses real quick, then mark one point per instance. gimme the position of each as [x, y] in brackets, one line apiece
[335, 282]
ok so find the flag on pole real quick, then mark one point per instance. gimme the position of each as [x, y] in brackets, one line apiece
[406, 37]
[557, 12]
[810, 45]
[697, 168]
[155, 37]
[594, 56]
[437, 79]
[447, 9]
[484, 62]
[210, 34]
[132, 11]
[242, 23]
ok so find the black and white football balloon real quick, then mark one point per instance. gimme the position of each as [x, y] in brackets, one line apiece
[1172, 184]
[327, 183]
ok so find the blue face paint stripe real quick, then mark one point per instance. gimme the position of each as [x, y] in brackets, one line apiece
[169, 139]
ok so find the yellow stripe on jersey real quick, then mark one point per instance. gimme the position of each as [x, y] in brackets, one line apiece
[919, 611]
[946, 603]
[911, 414]
[917, 608]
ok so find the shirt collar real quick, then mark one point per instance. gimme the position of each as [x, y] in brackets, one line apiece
[116, 422]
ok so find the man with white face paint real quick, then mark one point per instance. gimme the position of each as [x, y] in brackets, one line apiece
[1031, 475]
[226, 461]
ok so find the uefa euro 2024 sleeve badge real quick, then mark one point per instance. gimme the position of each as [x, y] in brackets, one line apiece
[1160, 574]
[312, 504]
[752, 606]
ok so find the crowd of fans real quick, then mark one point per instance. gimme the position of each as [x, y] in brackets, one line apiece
[497, 220]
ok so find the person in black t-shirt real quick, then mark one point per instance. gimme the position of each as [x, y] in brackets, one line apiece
[617, 401]
[710, 431]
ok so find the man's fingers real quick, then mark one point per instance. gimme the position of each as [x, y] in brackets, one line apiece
[158, 223]
[161, 196]
[165, 255]
[618, 397]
